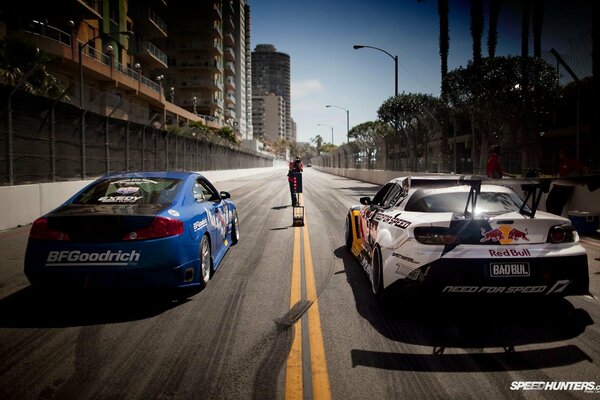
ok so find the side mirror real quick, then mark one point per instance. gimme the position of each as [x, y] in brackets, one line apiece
[225, 195]
[365, 201]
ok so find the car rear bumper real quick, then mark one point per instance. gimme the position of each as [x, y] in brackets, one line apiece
[554, 276]
[163, 263]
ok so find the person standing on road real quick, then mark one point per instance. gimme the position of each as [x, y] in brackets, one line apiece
[295, 167]
[559, 194]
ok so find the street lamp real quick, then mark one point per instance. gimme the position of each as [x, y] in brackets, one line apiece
[347, 119]
[172, 92]
[194, 103]
[80, 47]
[329, 126]
[395, 58]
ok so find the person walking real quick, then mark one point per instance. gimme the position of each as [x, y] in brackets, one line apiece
[295, 169]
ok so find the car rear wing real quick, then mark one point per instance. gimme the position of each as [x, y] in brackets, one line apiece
[532, 187]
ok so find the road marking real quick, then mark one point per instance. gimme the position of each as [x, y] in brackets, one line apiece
[294, 385]
[320, 376]
[293, 375]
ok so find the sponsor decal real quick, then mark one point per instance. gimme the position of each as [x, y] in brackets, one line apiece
[504, 234]
[510, 253]
[395, 221]
[509, 269]
[128, 190]
[199, 225]
[134, 181]
[558, 287]
[174, 213]
[64, 258]
[119, 199]
[405, 258]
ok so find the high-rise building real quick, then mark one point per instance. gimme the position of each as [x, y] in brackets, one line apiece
[269, 116]
[271, 74]
[207, 59]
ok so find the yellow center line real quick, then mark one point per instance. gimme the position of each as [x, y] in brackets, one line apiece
[293, 380]
[320, 377]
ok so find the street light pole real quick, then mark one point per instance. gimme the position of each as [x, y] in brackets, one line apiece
[395, 58]
[347, 120]
[80, 47]
[329, 126]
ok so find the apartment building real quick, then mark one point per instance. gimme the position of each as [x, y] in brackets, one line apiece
[271, 74]
[269, 113]
[146, 61]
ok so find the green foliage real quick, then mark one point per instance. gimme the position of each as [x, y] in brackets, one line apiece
[18, 56]
[228, 134]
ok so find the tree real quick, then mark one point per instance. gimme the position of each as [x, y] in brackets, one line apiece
[493, 29]
[491, 96]
[18, 56]
[476, 28]
[417, 118]
[318, 140]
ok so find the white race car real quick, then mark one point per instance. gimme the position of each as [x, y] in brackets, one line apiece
[466, 235]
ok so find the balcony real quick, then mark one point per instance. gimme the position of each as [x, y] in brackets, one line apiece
[230, 67]
[151, 22]
[152, 55]
[229, 54]
[213, 65]
[230, 83]
[217, 31]
[201, 84]
[229, 39]
[218, 10]
[200, 45]
[88, 9]
[230, 99]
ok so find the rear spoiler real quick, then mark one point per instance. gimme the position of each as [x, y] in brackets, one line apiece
[533, 187]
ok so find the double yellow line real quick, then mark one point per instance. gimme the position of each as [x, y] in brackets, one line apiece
[294, 386]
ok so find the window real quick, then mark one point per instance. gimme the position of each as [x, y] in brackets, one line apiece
[380, 196]
[203, 192]
[131, 190]
[487, 202]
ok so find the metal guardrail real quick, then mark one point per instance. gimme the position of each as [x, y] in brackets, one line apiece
[49, 32]
[156, 52]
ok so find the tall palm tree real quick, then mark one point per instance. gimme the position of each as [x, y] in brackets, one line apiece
[444, 44]
[492, 41]
[476, 29]
[538, 19]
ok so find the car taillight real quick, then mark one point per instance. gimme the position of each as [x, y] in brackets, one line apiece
[159, 228]
[435, 235]
[40, 231]
[561, 234]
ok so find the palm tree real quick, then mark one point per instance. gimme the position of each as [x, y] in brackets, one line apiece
[444, 44]
[493, 31]
[476, 29]
[318, 140]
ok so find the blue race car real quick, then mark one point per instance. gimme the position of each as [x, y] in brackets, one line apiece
[135, 229]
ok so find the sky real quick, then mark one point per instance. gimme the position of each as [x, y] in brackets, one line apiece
[318, 35]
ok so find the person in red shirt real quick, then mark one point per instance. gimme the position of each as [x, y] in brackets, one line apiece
[493, 168]
[294, 167]
[559, 194]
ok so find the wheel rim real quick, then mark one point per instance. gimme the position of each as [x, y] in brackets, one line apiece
[205, 260]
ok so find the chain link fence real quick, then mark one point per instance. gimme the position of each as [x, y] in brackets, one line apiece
[45, 140]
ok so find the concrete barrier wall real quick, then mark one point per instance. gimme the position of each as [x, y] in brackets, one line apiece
[23, 204]
[582, 199]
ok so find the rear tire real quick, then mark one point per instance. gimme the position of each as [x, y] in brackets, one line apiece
[377, 280]
[235, 230]
[205, 261]
[348, 234]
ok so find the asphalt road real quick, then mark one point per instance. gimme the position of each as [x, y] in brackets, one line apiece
[288, 315]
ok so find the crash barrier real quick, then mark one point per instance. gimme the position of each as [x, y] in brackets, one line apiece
[582, 198]
[42, 140]
[22, 204]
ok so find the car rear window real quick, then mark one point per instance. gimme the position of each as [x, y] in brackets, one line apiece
[487, 202]
[131, 191]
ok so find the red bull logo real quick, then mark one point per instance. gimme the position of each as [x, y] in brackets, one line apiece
[504, 234]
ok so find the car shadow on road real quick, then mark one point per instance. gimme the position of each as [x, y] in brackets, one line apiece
[488, 329]
[30, 308]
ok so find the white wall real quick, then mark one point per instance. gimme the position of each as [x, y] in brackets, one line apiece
[23, 204]
[582, 199]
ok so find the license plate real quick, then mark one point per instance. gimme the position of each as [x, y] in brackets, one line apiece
[509, 269]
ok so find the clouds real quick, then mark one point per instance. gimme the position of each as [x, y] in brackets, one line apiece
[301, 89]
